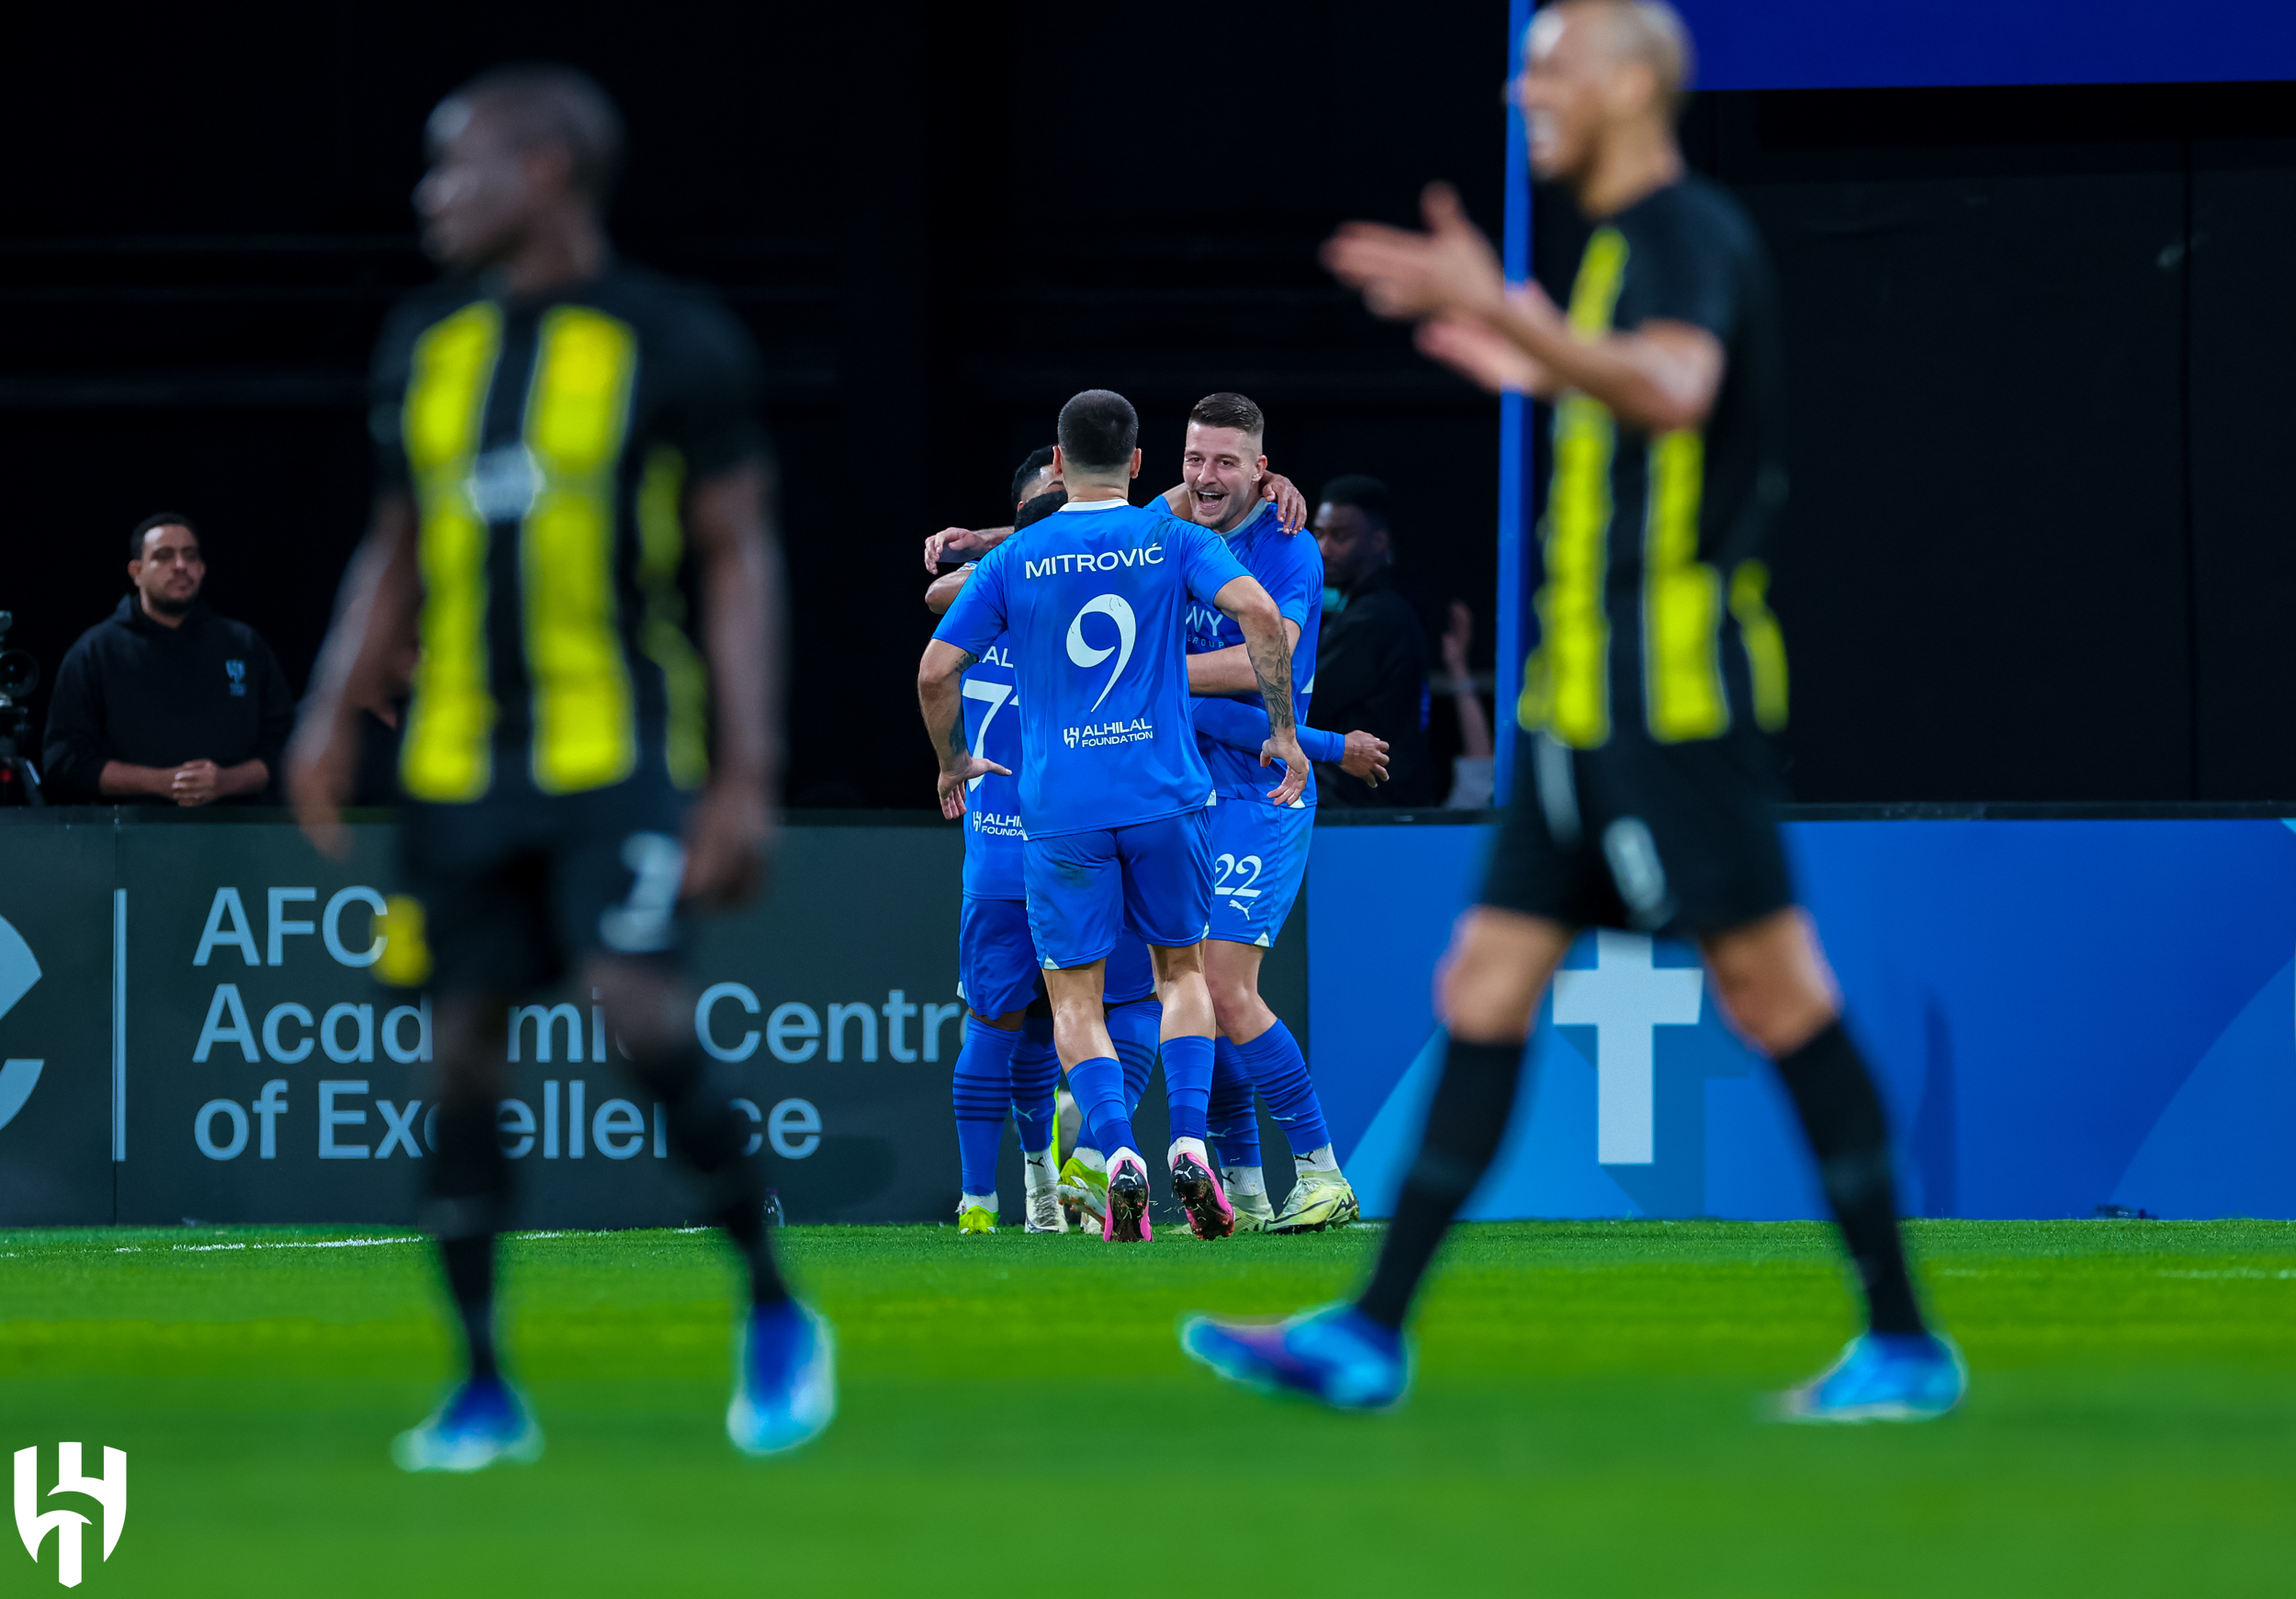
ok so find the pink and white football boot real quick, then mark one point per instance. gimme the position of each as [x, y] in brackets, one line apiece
[1126, 1219]
[1197, 1187]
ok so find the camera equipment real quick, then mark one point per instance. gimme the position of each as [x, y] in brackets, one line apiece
[19, 675]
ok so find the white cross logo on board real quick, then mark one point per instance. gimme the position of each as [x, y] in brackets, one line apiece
[1626, 998]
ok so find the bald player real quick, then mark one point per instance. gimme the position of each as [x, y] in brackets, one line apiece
[1645, 799]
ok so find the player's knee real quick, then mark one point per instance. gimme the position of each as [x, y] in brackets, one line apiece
[1485, 1004]
[1775, 1012]
[649, 1012]
[1235, 1005]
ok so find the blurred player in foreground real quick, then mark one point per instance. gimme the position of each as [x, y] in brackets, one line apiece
[1645, 798]
[569, 461]
[1113, 792]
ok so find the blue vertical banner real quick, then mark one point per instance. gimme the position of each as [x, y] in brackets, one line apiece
[1515, 455]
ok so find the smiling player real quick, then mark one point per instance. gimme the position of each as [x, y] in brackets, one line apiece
[1259, 851]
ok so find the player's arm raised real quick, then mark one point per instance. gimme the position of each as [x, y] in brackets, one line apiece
[939, 696]
[729, 834]
[1267, 639]
[1662, 375]
[375, 628]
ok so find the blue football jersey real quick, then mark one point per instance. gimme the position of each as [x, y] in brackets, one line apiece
[1290, 568]
[992, 803]
[1095, 598]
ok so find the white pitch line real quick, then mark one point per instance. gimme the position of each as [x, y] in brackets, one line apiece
[311, 1243]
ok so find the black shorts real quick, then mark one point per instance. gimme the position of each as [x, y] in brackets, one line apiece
[1680, 839]
[519, 888]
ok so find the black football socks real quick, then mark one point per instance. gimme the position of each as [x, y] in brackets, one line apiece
[1842, 1116]
[713, 1138]
[469, 1179]
[1464, 1126]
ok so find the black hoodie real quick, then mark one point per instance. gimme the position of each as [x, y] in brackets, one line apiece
[1371, 673]
[133, 691]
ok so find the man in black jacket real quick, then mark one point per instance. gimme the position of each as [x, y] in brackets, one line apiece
[1371, 668]
[165, 700]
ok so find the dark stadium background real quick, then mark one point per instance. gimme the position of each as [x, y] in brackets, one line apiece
[2037, 547]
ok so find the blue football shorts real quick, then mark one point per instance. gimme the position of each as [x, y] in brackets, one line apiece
[1259, 859]
[1131, 973]
[995, 958]
[1086, 888]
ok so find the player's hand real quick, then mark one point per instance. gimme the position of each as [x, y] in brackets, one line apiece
[1365, 757]
[729, 842]
[1292, 506]
[321, 761]
[1283, 745]
[954, 784]
[952, 543]
[195, 782]
[1482, 354]
[1450, 270]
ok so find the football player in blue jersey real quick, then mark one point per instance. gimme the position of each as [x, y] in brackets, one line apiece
[1259, 849]
[1113, 790]
[995, 966]
[1007, 1057]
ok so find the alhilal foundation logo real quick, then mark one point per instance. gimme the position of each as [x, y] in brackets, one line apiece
[109, 1491]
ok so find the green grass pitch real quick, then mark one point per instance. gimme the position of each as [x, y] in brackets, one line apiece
[1017, 1415]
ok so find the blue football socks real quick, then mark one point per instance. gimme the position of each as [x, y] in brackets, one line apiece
[1234, 1120]
[983, 1089]
[1188, 1084]
[1280, 1072]
[1036, 1073]
[1099, 1087]
[1134, 1027]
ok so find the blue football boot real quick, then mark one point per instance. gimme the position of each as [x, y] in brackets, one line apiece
[784, 1380]
[1336, 1354]
[482, 1421]
[1883, 1377]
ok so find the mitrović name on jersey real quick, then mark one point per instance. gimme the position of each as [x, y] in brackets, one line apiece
[1107, 560]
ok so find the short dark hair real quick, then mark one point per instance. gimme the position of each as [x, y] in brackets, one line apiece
[1226, 410]
[1041, 507]
[545, 103]
[1366, 494]
[1039, 459]
[1099, 430]
[160, 519]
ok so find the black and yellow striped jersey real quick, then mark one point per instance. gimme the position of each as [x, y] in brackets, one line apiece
[1652, 614]
[547, 442]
